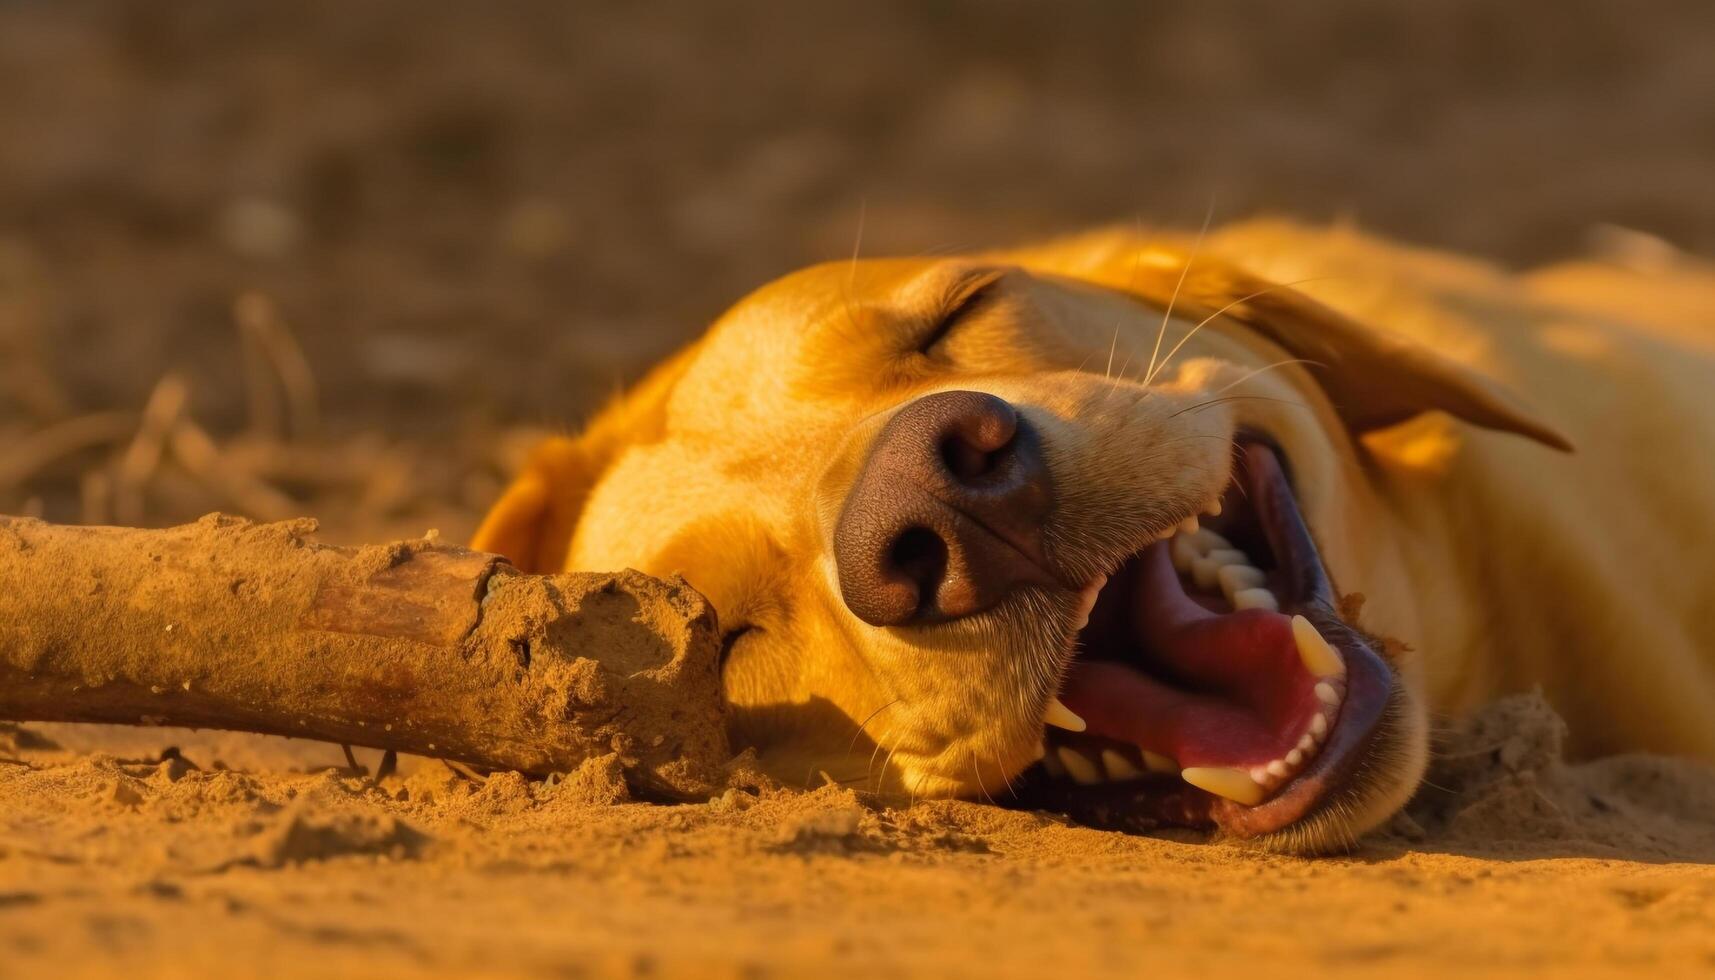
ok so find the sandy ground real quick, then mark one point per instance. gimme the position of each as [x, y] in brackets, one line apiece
[288, 864]
[349, 260]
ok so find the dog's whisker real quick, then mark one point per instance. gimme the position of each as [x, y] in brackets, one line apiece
[1150, 377]
[916, 785]
[859, 733]
[1237, 398]
[1130, 284]
[852, 269]
[1010, 788]
[1184, 271]
[1267, 367]
[881, 778]
[977, 768]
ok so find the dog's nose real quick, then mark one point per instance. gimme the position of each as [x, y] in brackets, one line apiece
[945, 518]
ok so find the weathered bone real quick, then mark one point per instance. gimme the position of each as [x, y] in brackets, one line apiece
[417, 647]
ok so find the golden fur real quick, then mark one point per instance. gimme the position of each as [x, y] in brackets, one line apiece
[1489, 562]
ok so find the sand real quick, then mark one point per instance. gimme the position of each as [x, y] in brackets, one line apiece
[260, 857]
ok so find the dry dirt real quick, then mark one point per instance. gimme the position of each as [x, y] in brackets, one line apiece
[348, 260]
[243, 857]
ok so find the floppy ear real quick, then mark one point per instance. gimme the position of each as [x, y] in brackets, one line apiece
[533, 521]
[1374, 379]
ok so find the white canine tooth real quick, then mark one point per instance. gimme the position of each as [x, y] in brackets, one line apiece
[1307, 743]
[1319, 726]
[1294, 757]
[1118, 766]
[1277, 769]
[1260, 775]
[1156, 762]
[1255, 599]
[1237, 578]
[1082, 770]
[1233, 784]
[1324, 692]
[1210, 541]
[1214, 508]
[1189, 525]
[1320, 658]
[1061, 716]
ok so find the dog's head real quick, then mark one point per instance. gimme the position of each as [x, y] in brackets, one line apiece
[948, 513]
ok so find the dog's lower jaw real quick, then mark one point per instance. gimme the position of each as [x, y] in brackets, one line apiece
[1387, 776]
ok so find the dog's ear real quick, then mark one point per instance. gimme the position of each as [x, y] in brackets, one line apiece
[534, 521]
[1375, 379]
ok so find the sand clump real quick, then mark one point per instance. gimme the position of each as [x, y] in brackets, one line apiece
[117, 854]
[1500, 779]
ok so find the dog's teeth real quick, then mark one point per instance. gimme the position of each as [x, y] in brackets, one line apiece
[1294, 757]
[1051, 764]
[1260, 776]
[1087, 601]
[1082, 770]
[1156, 762]
[1205, 570]
[1214, 508]
[1233, 784]
[1324, 692]
[1118, 766]
[1189, 525]
[1319, 727]
[1307, 743]
[1061, 716]
[1278, 769]
[1186, 548]
[1320, 658]
[1255, 599]
[1237, 578]
[1184, 552]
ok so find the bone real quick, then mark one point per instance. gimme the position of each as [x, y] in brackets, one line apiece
[416, 647]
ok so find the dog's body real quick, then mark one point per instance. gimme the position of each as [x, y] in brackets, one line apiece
[1484, 563]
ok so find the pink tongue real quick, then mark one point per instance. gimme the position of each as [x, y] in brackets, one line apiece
[1232, 693]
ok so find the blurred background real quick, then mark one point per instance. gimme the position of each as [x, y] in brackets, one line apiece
[348, 259]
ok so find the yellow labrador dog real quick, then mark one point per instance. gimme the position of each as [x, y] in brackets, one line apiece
[1172, 532]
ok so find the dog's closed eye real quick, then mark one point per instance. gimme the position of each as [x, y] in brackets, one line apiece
[967, 296]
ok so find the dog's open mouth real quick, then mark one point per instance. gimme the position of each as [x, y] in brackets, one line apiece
[1214, 683]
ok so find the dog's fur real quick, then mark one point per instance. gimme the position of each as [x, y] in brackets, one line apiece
[1487, 562]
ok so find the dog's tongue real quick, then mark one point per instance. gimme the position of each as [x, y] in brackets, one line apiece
[1205, 689]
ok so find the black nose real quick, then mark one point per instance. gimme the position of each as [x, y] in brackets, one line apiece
[945, 518]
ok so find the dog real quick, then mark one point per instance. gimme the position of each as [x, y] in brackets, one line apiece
[1171, 530]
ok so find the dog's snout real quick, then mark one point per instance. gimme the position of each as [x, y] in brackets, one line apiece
[944, 519]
